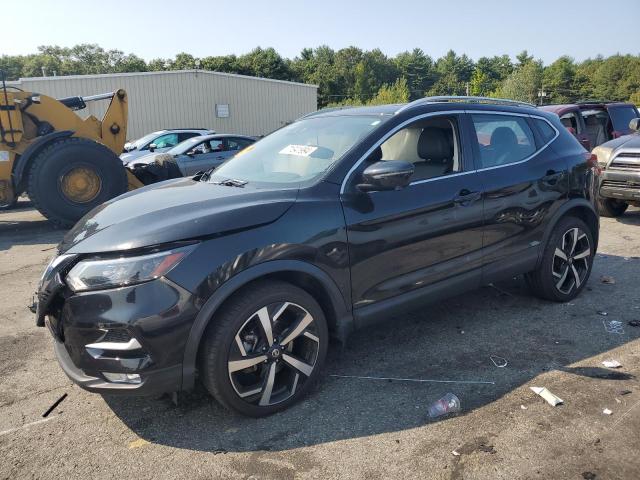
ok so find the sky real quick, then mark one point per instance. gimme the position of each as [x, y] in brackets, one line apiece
[162, 28]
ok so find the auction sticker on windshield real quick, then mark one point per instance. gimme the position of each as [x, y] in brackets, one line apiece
[299, 150]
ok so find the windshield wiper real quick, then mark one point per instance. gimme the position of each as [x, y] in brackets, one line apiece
[231, 182]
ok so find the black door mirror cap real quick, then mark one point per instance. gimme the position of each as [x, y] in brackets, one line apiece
[387, 175]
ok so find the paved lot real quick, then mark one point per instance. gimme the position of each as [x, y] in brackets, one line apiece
[351, 428]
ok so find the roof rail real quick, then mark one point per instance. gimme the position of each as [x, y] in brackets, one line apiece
[325, 110]
[465, 99]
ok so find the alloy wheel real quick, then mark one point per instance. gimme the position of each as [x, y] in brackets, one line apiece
[273, 353]
[571, 260]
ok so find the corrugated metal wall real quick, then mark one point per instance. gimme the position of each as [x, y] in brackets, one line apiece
[188, 99]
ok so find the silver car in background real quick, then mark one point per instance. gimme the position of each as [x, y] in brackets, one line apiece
[199, 154]
[160, 141]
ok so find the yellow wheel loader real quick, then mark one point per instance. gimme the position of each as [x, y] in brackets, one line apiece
[67, 165]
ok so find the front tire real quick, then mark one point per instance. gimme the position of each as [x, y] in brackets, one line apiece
[610, 207]
[264, 349]
[72, 176]
[566, 262]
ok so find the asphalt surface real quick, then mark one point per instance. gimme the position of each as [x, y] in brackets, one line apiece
[354, 428]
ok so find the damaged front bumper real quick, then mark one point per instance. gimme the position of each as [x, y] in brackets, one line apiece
[120, 340]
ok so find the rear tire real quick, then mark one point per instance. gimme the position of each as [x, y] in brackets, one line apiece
[566, 262]
[72, 176]
[257, 326]
[609, 207]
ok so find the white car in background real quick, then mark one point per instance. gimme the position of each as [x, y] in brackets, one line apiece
[159, 142]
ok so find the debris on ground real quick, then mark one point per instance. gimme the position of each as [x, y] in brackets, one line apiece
[455, 453]
[522, 407]
[604, 314]
[625, 392]
[445, 405]
[551, 399]
[589, 476]
[141, 442]
[53, 406]
[613, 326]
[608, 280]
[612, 364]
[606, 411]
[634, 323]
[498, 361]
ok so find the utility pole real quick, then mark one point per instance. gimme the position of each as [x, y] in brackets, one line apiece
[467, 89]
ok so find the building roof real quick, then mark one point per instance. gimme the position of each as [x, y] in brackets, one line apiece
[163, 72]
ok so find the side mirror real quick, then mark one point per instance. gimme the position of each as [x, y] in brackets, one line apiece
[634, 124]
[128, 146]
[389, 175]
[152, 147]
[191, 153]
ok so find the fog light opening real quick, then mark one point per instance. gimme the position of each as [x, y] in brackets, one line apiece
[122, 377]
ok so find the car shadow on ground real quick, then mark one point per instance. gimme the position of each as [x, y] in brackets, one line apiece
[449, 341]
[31, 229]
[630, 217]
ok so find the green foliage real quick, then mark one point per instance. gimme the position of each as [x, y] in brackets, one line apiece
[356, 77]
[523, 84]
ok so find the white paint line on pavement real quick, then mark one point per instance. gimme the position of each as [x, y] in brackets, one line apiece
[26, 425]
[414, 379]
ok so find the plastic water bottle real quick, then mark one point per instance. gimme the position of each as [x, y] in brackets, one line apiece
[447, 404]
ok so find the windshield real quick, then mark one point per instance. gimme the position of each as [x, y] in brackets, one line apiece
[142, 141]
[621, 116]
[185, 146]
[299, 152]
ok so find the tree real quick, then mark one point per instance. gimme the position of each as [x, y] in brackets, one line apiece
[398, 92]
[454, 72]
[523, 84]
[418, 70]
[559, 78]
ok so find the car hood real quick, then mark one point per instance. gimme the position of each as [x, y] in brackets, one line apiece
[174, 210]
[605, 151]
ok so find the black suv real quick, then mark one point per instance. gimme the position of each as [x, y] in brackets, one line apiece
[240, 275]
[619, 181]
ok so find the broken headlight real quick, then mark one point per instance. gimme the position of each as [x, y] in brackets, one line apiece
[99, 274]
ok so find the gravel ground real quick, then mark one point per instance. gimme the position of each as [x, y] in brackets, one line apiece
[353, 428]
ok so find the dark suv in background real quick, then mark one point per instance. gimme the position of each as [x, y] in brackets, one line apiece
[239, 275]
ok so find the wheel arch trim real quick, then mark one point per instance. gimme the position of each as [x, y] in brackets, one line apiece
[344, 317]
[577, 203]
[22, 165]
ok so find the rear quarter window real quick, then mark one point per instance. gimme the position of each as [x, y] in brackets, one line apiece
[547, 132]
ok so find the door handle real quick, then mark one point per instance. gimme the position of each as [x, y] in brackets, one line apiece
[466, 197]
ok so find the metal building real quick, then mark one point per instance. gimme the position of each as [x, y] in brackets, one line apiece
[224, 102]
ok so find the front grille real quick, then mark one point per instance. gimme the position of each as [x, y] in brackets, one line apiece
[621, 184]
[626, 161]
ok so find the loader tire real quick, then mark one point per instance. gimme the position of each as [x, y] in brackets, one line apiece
[72, 176]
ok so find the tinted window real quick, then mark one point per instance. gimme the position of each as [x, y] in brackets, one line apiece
[621, 116]
[238, 143]
[431, 145]
[546, 131]
[502, 139]
[166, 141]
[186, 135]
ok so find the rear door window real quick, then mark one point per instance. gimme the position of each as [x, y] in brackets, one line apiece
[502, 139]
[621, 116]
